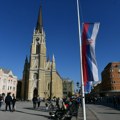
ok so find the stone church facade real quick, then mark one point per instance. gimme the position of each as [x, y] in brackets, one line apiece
[40, 76]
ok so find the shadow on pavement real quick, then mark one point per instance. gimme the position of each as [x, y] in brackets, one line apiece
[107, 113]
[42, 109]
[32, 114]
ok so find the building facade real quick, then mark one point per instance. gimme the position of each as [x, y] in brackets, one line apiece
[111, 79]
[8, 82]
[40, 76]
[68, 87]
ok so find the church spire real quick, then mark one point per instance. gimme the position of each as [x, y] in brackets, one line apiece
[39, 21]
[53, 59]
[26, 60]
[53, 63]
[26, 64]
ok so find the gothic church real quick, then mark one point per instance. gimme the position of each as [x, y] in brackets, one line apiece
[40, 76]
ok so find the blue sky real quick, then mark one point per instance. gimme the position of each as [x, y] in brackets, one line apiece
[18, 19]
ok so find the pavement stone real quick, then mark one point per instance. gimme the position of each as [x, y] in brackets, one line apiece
[25, 111]
[89, 115]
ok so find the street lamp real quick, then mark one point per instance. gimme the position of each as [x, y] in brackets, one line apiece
[77, 84]
[79, 88]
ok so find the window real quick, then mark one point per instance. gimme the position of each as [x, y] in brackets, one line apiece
[10, 87]
[111, 70]
[37, 48]
[14, 88]
[3, 87]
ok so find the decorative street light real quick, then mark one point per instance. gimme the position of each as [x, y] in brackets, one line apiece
[77, 84]
[79, 88]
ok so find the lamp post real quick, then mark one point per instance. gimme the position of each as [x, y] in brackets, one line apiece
[79, 88]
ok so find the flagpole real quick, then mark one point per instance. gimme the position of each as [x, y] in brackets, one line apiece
[82, 82]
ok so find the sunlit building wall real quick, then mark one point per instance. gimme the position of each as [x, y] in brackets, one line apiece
[8, 82]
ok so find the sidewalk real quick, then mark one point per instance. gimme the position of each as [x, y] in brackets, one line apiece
[89, 115]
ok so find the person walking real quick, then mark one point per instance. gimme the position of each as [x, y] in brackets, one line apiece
[39, 100]
[13, 102]
[57, 103]
[8, 100]
[35, 100]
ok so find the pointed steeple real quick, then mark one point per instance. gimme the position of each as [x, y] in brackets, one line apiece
[53, 59]
[26, 64]
[26, 60]
[39, 21]
[53, 63]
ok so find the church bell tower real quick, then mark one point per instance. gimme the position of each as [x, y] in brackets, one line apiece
[37, 61]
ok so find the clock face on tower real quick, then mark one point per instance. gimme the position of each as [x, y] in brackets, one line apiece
[37, 39]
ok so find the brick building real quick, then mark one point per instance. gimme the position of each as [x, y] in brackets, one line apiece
[111, 79]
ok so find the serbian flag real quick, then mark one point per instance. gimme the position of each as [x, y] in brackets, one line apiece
[88, 87]
[89, 64]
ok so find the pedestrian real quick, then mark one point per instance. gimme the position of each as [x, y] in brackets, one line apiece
[78, 101]
[13, 103]
[34, 101]
[8, 100]
[1, 101]
[46, 104]
[39, 100]
[57, 103]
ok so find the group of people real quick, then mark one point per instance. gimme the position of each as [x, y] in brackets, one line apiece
[36, 101]
[9, 100]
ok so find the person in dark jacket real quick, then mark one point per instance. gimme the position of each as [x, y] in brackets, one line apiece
[8, 100]
[13, 102]
[39, 100]
[35, 100]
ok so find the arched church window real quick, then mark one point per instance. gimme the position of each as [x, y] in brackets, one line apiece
[37, 48]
